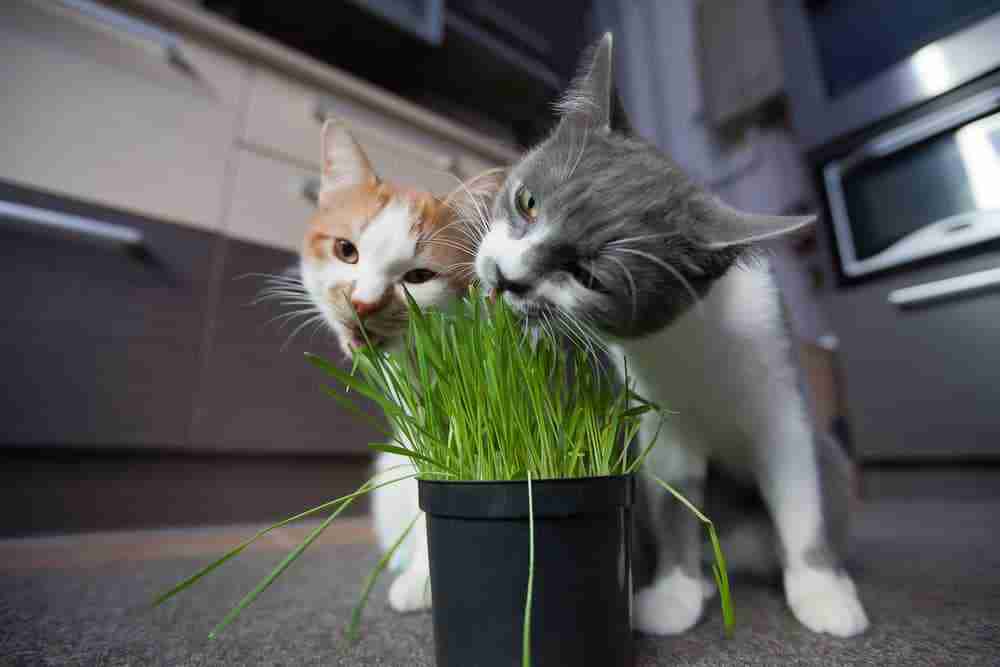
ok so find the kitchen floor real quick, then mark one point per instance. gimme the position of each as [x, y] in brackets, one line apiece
[928, 572]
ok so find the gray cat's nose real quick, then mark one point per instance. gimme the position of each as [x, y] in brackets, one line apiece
[504, 285]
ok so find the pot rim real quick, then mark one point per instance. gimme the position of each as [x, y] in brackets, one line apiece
[508, 499]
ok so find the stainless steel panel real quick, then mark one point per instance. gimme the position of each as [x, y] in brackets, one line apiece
[931, 71]
[949, 288]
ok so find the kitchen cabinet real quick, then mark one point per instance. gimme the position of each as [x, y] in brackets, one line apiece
[100, 341]
[92, 111]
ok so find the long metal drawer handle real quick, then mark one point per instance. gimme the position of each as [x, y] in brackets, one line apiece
[64, 222]
[171, 44]
[917, 295]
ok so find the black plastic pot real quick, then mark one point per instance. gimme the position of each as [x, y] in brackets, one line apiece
[478, 538]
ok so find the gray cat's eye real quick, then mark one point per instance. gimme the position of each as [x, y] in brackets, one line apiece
[526, 203]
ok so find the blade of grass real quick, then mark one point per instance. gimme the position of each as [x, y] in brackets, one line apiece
[352, 628]
[409, 453]
[719, 566]
[526, 632]
[269, 579]
[232, 553]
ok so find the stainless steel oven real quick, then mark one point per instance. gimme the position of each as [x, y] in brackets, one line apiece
[852, 63]
[925, 188]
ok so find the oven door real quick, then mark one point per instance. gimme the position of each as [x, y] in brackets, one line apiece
[927, 188]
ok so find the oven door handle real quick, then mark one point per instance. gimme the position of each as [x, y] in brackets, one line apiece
[918, 295]
[951, 233]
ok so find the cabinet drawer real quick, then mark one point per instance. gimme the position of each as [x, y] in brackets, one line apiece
[100, 347]
[922, 382]
[286, 117]
[258, 393]
[271, 201]
[96, 113]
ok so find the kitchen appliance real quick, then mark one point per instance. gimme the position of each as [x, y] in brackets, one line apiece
[851, 63]
[925, 188]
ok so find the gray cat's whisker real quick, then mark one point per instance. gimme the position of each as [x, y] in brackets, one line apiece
[631, 281]
[695, 299]
[644, 237]
[583, 148]
[461, 222]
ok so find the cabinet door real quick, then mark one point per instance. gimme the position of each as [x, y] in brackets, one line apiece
[90, 110]
[99, 340]
[258, 393]
[922, 381]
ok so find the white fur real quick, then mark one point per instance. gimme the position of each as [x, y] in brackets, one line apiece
[755, 420]
[502, 250]
[673, 604]
[825, 601]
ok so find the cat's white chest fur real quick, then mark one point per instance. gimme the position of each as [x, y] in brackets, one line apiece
[719, 368]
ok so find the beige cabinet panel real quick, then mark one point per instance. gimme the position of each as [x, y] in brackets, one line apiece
[285, 117]
[102, 115]
[271, 202]
[273, 199]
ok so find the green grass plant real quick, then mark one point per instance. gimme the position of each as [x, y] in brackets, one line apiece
[477, 396]
[474, 395]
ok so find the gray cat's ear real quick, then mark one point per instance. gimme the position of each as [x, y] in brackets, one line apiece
[344, 161]
[587, 103]
[725, 226]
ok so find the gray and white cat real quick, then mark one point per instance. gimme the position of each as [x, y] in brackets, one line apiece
[599, 230]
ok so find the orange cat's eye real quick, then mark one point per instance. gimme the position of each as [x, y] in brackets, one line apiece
[417, 276]
[345, 251]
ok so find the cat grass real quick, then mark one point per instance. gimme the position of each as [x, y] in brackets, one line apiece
[477, 396]
[474, 395]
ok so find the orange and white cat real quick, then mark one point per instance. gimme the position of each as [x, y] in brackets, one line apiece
[367, 240]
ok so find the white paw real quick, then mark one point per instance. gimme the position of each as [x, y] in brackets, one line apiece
[825, 602]
[672, 605]
[411, 591]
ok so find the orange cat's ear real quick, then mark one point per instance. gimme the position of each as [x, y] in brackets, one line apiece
[344, 161]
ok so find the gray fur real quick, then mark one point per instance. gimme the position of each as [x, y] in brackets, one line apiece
[623, 218]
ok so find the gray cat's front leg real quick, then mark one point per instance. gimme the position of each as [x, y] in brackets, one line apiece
[674, 601]
[820, 593]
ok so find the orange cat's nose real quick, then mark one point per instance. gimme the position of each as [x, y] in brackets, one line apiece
[364, 309]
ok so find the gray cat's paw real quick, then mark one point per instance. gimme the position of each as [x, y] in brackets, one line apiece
[825, 601]
[672, 605]
[411, 591]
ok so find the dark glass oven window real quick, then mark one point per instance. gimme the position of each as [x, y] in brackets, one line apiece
[953, 173]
